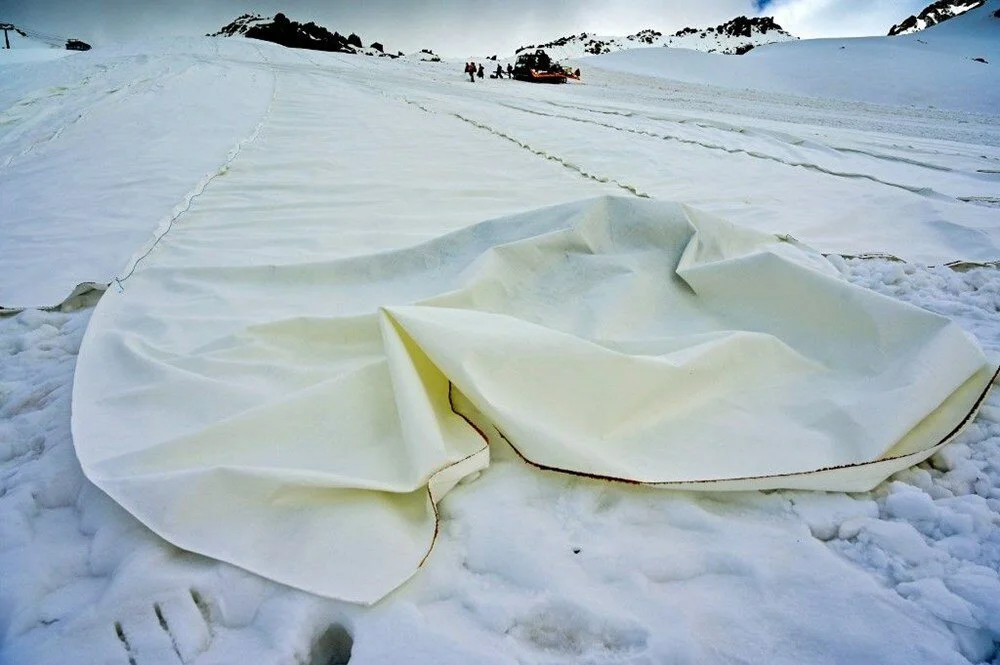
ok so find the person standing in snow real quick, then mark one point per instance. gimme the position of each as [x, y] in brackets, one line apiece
[481, 71]
[470, 69]
[510, 71]
[499, 72]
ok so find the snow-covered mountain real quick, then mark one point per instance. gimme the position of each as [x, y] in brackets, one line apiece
[950, 65]
[932, 14]
[282, 30]
[734, 37]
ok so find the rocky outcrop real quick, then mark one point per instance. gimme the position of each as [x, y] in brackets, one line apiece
[284, 31]
[647, 36]
[741, 26]
[933, 14]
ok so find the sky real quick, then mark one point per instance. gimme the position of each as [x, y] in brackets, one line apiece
[457, 28]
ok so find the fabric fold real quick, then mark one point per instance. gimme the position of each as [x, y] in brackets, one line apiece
[301, 420]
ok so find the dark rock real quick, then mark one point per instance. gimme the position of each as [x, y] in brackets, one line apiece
[906, 25]
[741, 26]
[647, 36]
[284, 31]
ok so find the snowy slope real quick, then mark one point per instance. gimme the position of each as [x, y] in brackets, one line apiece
[131, 107]
[108, 131]
[736, 36]
[932, 14]
[103, 152]
[937, 67]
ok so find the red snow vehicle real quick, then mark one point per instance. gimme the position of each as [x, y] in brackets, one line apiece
[538, 67]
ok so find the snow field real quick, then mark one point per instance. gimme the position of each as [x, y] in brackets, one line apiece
[843, 176]
[104, 152]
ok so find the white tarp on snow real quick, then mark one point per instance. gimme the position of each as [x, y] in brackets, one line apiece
[301, 419]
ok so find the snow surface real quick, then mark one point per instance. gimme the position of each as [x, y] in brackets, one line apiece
[102, 151]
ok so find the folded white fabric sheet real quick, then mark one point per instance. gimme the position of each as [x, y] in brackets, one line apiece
[301, 420]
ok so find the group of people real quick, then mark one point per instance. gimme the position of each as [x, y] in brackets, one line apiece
[474, 71]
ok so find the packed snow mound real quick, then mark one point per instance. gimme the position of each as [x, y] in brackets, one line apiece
[945, 66]
[734, 37]
[282, 30]
[423, 55]
[932, 14]
[241, 412]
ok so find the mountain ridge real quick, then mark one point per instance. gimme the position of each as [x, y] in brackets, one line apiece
[933, 14]
[734, 37]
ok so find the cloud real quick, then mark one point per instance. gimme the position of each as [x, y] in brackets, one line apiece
[841, 18]
[452, 27]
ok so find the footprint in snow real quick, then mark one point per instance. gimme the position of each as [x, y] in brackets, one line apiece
[577, 634]
[181, 627]
[174, 629]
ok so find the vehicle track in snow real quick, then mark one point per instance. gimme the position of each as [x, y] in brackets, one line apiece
[631, 189]
[792, 140]
[781, 137]
[164, 227]
[828, 112]
[116, 94]
[926, 192]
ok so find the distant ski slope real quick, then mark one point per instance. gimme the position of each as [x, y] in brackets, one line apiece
[935, 67]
